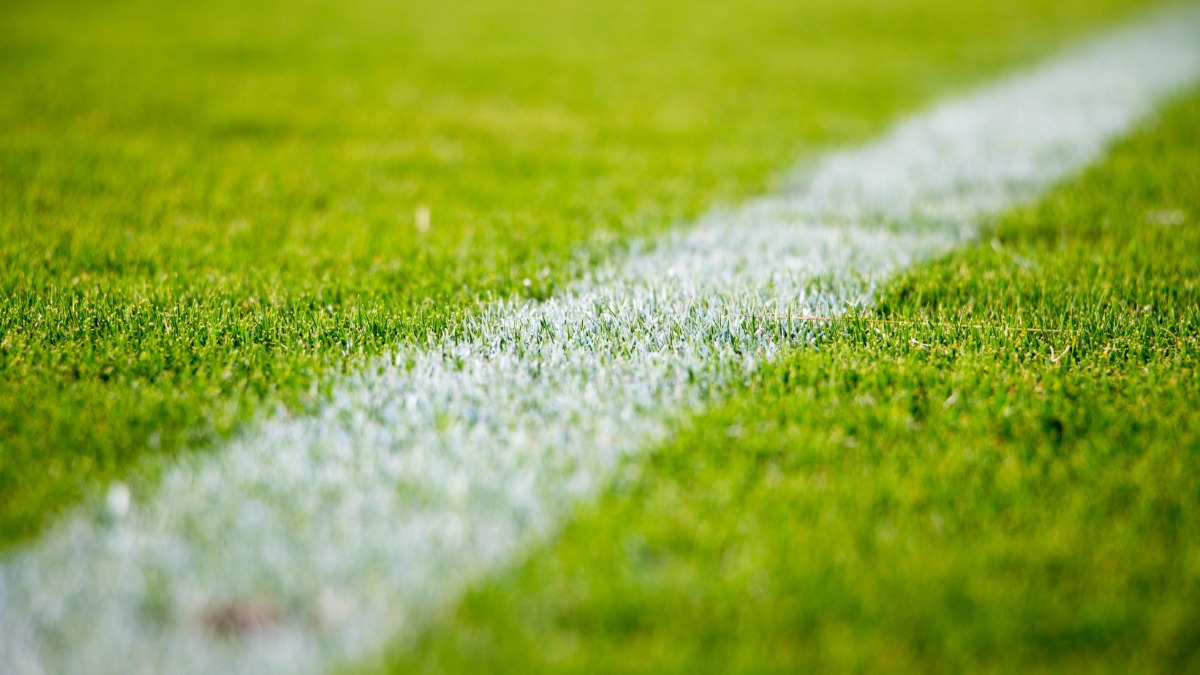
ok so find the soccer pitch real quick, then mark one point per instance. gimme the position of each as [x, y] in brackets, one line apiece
[492, 336]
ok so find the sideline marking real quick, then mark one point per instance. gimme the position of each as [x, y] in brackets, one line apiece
[324, 537]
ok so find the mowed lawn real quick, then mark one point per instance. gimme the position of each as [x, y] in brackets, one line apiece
[209, 210]
[941, 486]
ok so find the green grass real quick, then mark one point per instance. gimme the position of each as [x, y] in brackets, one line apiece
[919, 496]
[207, 210]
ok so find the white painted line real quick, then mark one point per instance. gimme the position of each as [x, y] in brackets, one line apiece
[317, 540]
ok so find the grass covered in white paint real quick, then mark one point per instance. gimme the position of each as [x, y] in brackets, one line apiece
[946, 492]
[209, 209]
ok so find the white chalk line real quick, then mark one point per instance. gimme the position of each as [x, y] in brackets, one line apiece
[343, 530]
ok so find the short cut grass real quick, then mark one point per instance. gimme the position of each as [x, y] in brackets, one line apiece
[922, 495]
[209, 210]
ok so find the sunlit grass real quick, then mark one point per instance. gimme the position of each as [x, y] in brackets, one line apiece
[211, 209]
[944, 492]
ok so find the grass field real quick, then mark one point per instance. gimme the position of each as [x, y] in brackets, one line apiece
[206, 209]
[211, 215]
[922, 496]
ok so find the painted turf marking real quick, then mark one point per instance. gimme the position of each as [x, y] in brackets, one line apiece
[336, 533]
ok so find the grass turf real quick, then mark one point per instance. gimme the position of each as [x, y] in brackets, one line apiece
[209, 210]
[919, 496]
